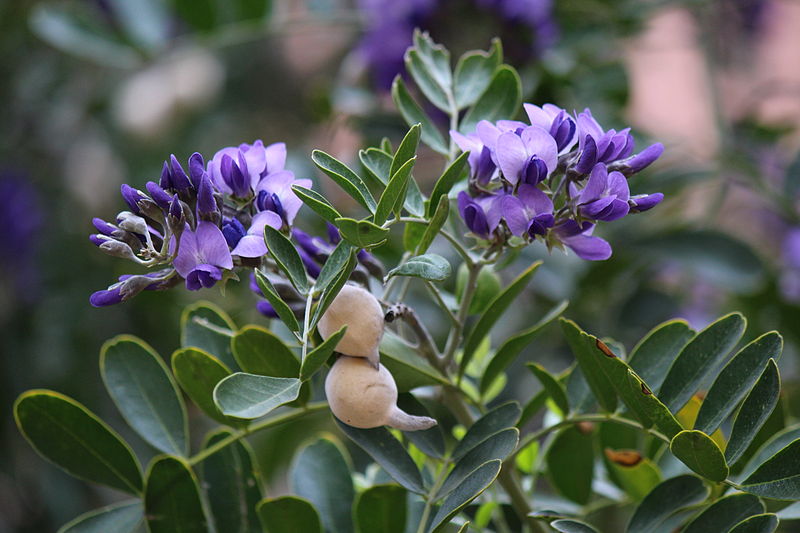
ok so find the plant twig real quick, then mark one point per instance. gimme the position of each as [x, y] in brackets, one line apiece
[427, 346]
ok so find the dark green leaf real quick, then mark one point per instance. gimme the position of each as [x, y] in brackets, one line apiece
[259, 351]
[66, 433]
[361, 233]
[554, 389]
[725, 513]
[123, 517]
[474, 73]
[736, 379]
[532, 407]
[381, 508]
[513, 346]
[409, 369]
[587, 351]
[199, 14]
[251, 396]
[348, 180]
[666, 499]
[700, 358]
[776, 443]
[700, 453]
[754, 412]
[143, 390]
[414, 114]
[288, 514]
[395, 191]
[252, 9]
[655, 353]
[412, 235]
[502, 417]
[570, 463]
[172, 498]
[282, 308]
[317, 203]
[286, 257]
[322, 476]
[434, 225]
[647, 407]
[779, 477]
[388, 453]
[430, 267]
[206, 326]
[497, 446]
[469, 489]
[500, 100]
[430, 441]
[232, 485]
[494, 312]
[317, 357]
[452, 175]
[198, 373]
[567, 525]
[762, 523]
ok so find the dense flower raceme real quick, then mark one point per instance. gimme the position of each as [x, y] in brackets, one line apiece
[552, 180]
[198, 225]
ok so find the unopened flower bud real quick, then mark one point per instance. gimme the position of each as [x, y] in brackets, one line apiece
[118, 249]
[158, 195]
[196, 169]
[133, 223]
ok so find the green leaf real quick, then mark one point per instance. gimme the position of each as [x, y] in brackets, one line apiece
[498, 419]
[493, 313]
[497, 446]
[701, 454]
[570, 463]
[525, 459]
[198, 373]
[317, 203]
[143, 390]
[288, 514]
[287, 258]
[666, 499]
[348, 180]
[430, 441]
[736, 379]
[435, 224]
[647, 407]
[754, 412]
[425, 80]
[199, 14]
[655, 353]
[779, 477]
[381, 508]
[317, 357]
[73, 438]
[469, 489]
[395, 191]
[430, 267]
[513, 346]
[123, 517]
[725, 513]
[334, 266]
[413, 114]
[282, 308]
[405, 364]
[638, 479]
[762, 523]
[322, 475]
[554, 389]
[406, 152]
[259, 351]
[332, 290]
[567, 525]
[378, 165]
[251, 396]
[700, 358]
[500, 100]
[206, 326]
[474, 73]
[172, 498]
[387, 451]
[452, 175]
[588, 352]
[772, 446]
[232, 484]
[361, 233]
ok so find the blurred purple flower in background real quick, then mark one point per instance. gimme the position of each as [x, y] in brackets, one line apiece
[790, 276]
[22, 216]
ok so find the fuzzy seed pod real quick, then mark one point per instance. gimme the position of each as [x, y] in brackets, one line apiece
[363, 398]
[361, 312]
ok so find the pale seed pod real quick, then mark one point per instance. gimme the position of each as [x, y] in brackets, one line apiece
[361, 312]
[364, 398]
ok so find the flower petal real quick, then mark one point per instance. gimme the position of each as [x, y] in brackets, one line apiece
[511, 156]
[212, 246]
[539, 142]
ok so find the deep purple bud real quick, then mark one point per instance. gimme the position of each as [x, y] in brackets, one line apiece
[333, 234]
[159, 195]
[97, 239]
[175, 208]
[233, 231]
[562, 130]
[107, 297]
[166, 177]
[234, 178]
[103, 227]
[473, 215]
[485, 167]
[535, 171]
[540, 225]
[206, 204]
[643, 202]
[179, 178]
[644, 158]
[306, 242]
[196, 169]
[266, 309]
[588, 156]
[267, 201]
[131, 197]
[203, 276]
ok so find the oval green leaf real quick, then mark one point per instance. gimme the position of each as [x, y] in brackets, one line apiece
[395, 191]
[497, 446]
[317, 357]
[172, 498]
[259, 351]
[779, 477]
[570, 464]
[348, 180]
[317, 203]
[666, 499]
[206, 326]
[413, 114]
[474, 73]
[452, 175]
[762, 523]
[754, 412]
[585, 349]
[288, 514]
[725, 513]
[434, 225]
[469, 489]
[652, 356]
[500, 100]
[288, 260]
[198, 373]
[700, 453]
[381, 508]
[553, 387]
[251, 396]
[282, 308]
[501, 417]
[430, 267]
[361, 233]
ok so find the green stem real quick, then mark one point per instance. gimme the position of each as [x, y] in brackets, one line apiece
[306, 323]
[457, 246]
[426, 512]
[454, 339]
[270, 422]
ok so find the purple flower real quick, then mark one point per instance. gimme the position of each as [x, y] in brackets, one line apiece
[482, 167]
[237, 170]
[202, 255]
[475, 216]
[529, 213]
[598, 145]
[130, 285]
[275, 194]
[579, 238]
[643, 202]
[642, 160]
[252, 244]
[557, 122]
[528, 157]
[605, 196]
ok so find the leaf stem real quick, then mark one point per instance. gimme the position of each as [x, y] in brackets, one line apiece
[306, 324]
[423, 521]
[454, 339]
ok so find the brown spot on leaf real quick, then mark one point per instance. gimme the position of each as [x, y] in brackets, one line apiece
[646, 390]
[603, 347]
[623, 457]
[585, 427]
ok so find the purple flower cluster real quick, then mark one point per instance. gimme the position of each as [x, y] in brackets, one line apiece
[198, 226]
[552, 180]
